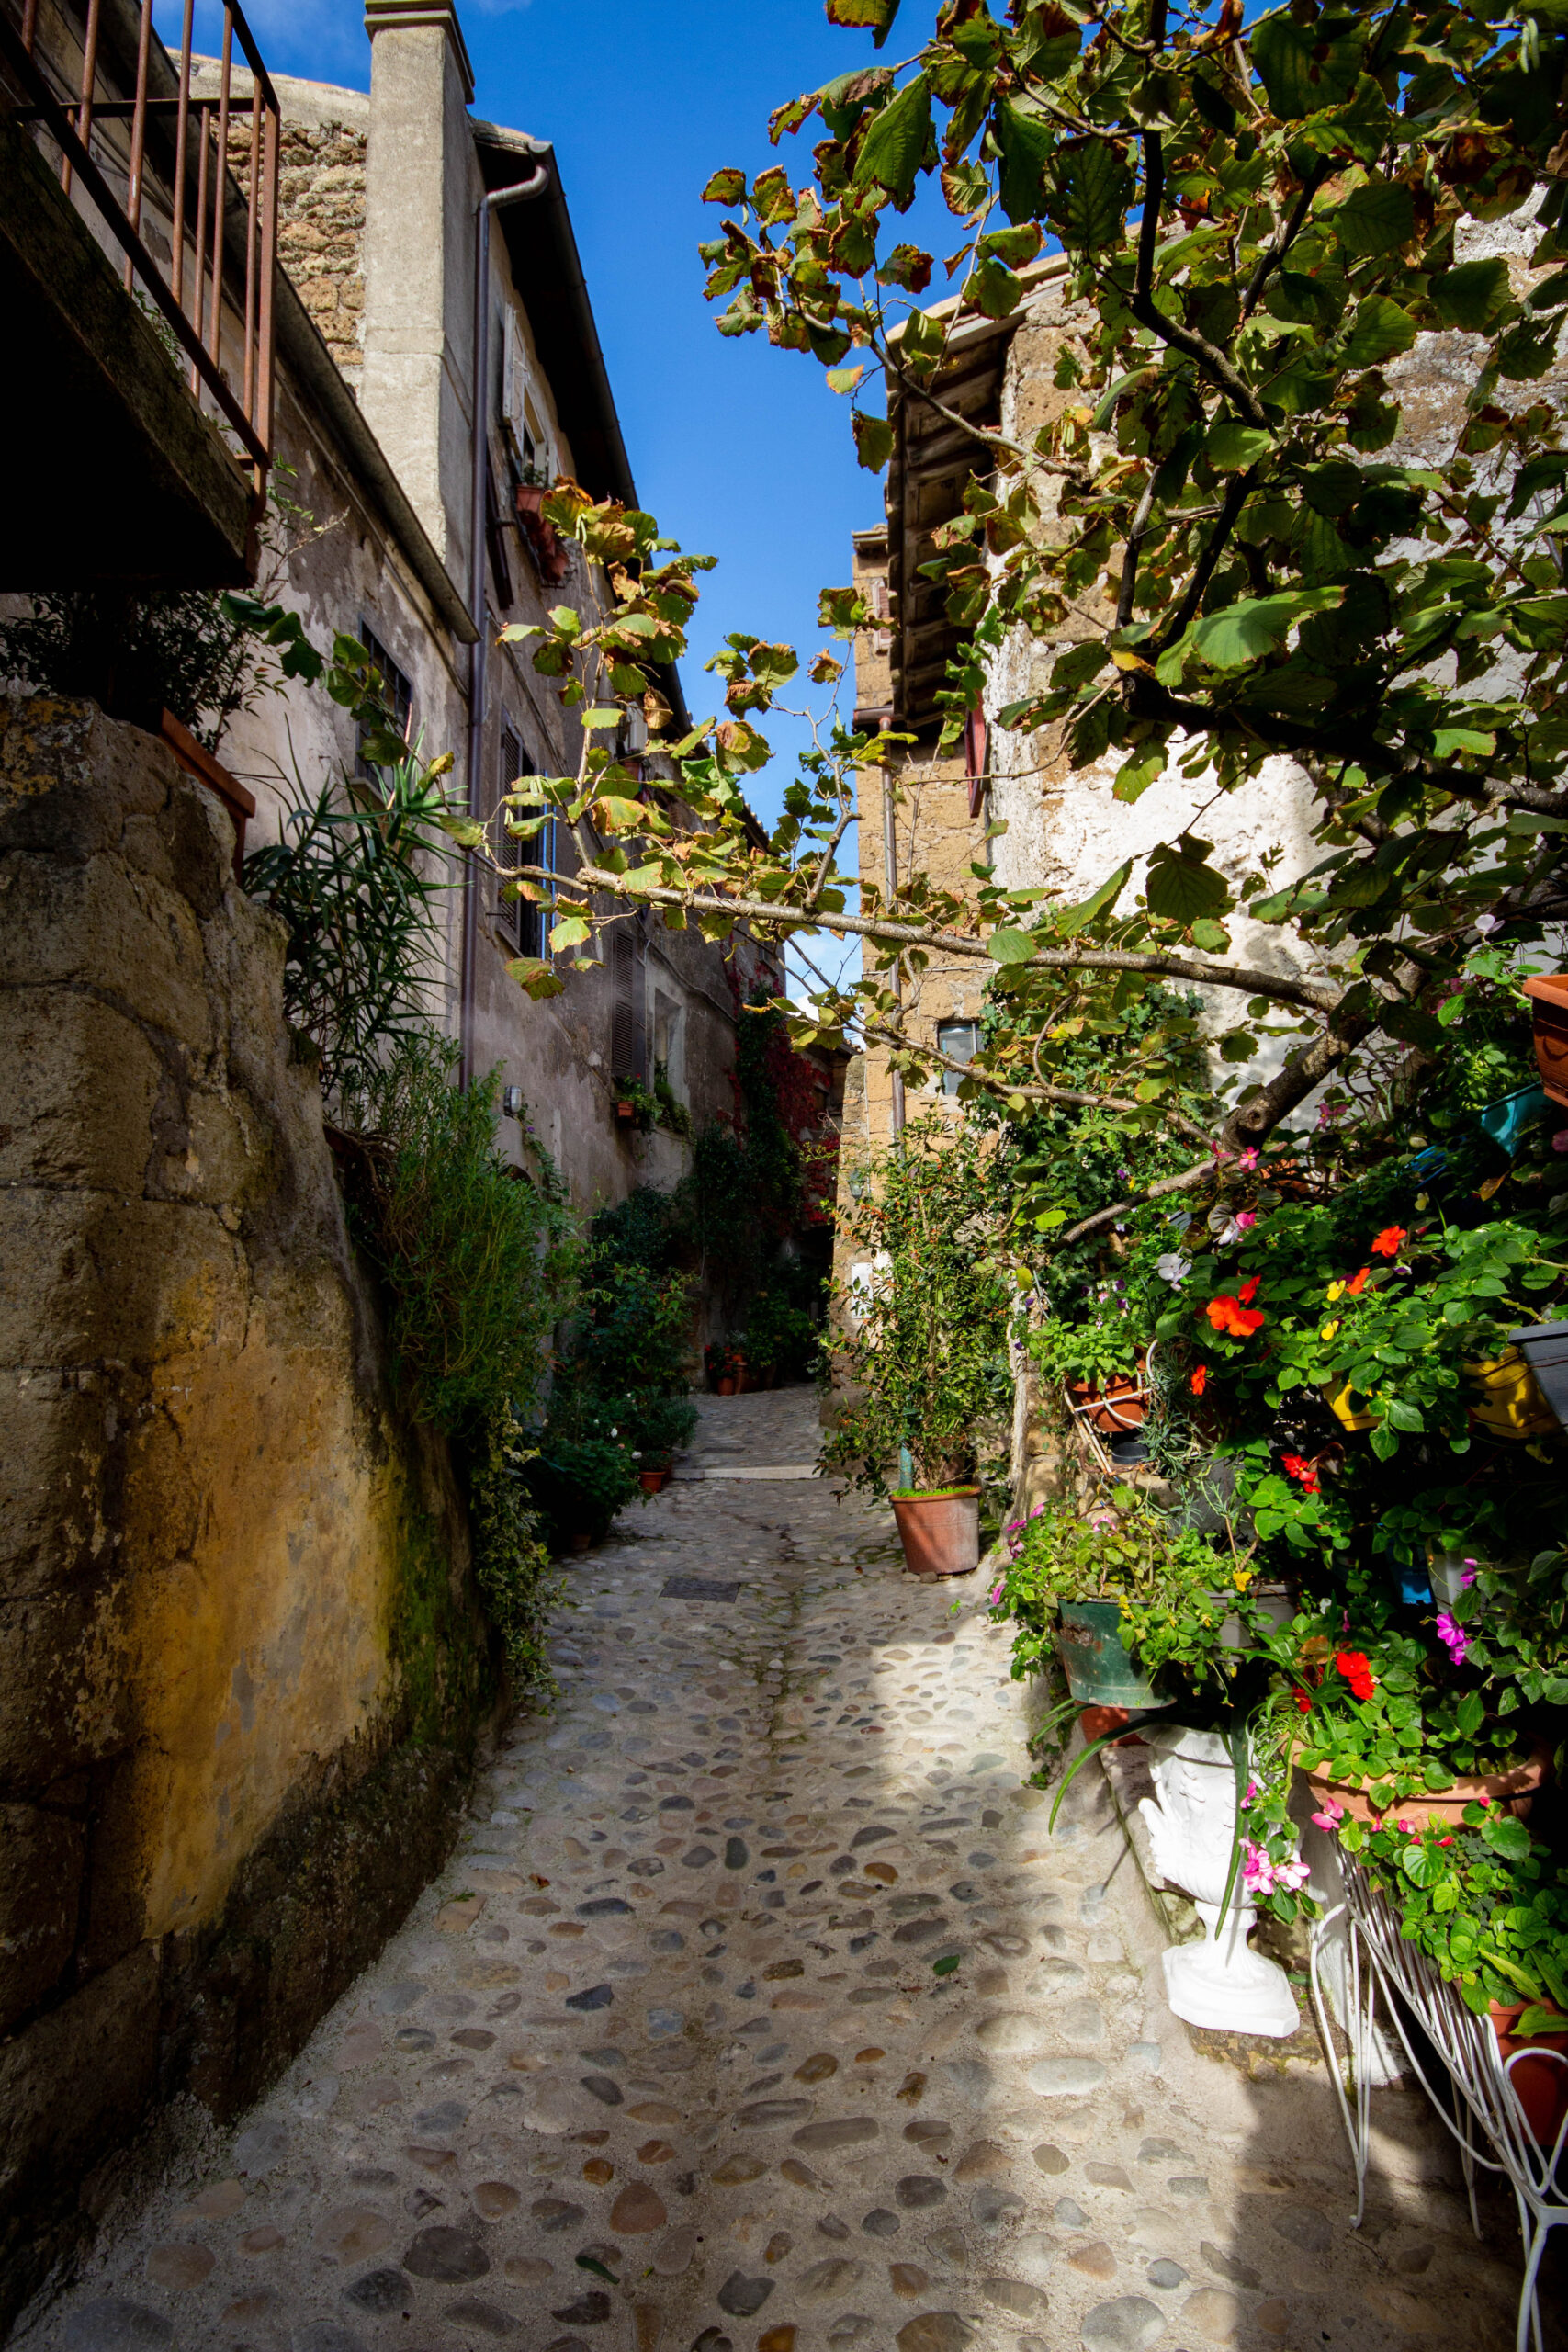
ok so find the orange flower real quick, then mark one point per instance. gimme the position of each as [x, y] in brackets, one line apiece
[1249, 1290]
[1358, 1283]
[1388, 1242]
[1229, 1314]
[1200, 1380]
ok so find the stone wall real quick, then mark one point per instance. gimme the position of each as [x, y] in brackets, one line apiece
[242, 1671]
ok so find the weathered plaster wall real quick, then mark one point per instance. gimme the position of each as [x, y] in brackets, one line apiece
[240, 1669]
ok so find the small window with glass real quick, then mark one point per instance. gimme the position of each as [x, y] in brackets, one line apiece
[960, 1040]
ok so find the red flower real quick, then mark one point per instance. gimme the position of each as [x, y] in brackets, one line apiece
[1200, 1380]
[1388, 1240]
[1297, 1466]
[1355, 1668]
[1228, 1314]
[1358, 1283]
[1249, 1290]
[1303, 1700]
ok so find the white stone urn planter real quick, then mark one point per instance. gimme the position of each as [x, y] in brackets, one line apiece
[1192, 1824]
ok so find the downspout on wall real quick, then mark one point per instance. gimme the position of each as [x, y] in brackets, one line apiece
[536, 184]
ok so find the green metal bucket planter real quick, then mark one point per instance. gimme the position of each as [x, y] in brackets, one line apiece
[1099, 1672]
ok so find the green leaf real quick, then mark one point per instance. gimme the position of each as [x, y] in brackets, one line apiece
[874, 441]
[1214, 940]
[728, 185]
[1377, 218]
[1137, 774]
[1026, 144]
[1379, 330]
[1183, 885]
[1244, 632]
[1507, 1836]
[1474, 296]
[1301, 72]
[1006, 946]
[1072, 920]
[1091, 188]
[844, 380]
[569, 931]
[945, 1966]
[538, 978]
[894, 145]
[874, 14]
[1232, 446]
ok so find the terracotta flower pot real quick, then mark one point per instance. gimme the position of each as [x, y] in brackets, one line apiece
[1097, 1723]
[940, 1531]
[1550, 993]
[728, 1386]
[1114, 1405]
[1541, 2084]
[1512, 1790]
[653, 1482]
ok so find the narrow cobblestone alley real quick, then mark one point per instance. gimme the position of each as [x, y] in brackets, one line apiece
[758, 2012]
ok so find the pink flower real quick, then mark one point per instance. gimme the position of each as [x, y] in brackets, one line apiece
[1245, 1218]
[1248, 1160]
[1330, 1817]
[1251, 1796]
[997, 1592]
[1453, 1637]
[1560, 1140]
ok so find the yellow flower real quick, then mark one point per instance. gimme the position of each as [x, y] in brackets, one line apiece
[1335, 1290]
[1243, 1579]
[1328, 1330]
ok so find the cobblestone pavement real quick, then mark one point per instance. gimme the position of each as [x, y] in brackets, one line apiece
[759, 2012]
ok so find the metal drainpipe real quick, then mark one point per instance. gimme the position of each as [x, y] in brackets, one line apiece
[487, 205]
[890, 871]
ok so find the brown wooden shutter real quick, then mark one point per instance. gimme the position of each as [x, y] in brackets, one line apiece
[629, 1017]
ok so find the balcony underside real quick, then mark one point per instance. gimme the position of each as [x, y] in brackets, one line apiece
[112, 472]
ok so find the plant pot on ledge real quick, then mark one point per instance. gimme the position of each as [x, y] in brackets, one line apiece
[940, 1531]
[1511, 1790]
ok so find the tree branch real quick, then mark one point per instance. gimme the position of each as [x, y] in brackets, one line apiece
[1198, 971]
[995, 1083]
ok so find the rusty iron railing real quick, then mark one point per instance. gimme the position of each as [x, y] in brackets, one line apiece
[171, 140]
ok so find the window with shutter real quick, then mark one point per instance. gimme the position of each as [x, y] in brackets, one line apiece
[628, 1018]
[522, 920]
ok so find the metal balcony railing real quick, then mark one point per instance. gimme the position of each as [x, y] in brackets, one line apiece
[175, 165]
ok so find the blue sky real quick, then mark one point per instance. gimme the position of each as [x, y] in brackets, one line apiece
[740, 450]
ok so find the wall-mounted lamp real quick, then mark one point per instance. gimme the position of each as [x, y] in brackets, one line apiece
[511, 1102]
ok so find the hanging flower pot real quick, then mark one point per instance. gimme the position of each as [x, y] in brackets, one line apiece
[1544, 1347]
[1550, 993]
[1510, 1404]
[1344, 1412]
[940, 1531]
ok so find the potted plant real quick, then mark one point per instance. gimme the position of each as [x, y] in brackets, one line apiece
[1134, 1607]
[1549, 995]
[725, 1363]
[1099, 1362]
[1483, 1900]
[919, 1343]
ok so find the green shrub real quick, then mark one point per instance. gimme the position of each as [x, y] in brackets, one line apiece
[921, 1340]
[578, 1484]
[481, 1264]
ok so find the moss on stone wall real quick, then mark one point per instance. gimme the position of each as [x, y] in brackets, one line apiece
[441, 1647]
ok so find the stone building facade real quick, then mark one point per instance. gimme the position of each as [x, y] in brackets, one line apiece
[1010, 804]
[376, 428]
